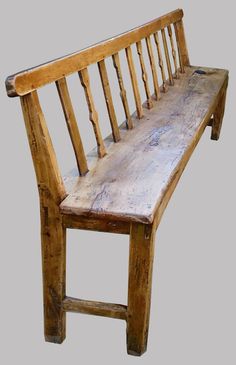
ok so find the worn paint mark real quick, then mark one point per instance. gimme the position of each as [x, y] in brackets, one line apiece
[154, 137]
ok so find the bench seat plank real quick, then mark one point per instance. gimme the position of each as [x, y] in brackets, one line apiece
[131, 182]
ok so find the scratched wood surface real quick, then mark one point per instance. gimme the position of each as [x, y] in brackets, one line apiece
[131, 181]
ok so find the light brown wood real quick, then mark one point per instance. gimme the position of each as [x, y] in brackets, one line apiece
[181, 45]
[219, 114]
[111, 310]
[93, 115]
[160, 61]
[114, 189]
[144, 75]
[72, 125]
[43, 155]
[51, 192]
[171, 80]
[210, 122]
[91, 224]
[53, 247]
[134, 81]
[153, 68]
[109, 101]
[142, 240]
[31, 79]
[116, 63]
[173, 51]
[172, 185]
[127, 191]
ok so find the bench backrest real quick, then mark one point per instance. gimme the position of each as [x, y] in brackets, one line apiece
[163, 33]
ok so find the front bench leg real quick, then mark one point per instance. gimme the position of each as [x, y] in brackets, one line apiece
[53, 237]
[141, 254]
[218, 115]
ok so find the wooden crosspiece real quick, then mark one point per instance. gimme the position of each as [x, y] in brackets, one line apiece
[127, 191]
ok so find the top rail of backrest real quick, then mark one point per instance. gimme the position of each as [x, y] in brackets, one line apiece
[26, 81]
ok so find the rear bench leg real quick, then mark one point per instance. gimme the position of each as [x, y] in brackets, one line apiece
[53, 237]
[142, 239]
[218, 115]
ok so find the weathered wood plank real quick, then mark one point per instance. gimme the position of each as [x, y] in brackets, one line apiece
[72, 125]
[152, 152]
[108, 99]
[173, 51]
[93, 115]
[173, 182]
[153, 68]
[171, 80]
[142, 240]
[111, 310]
[134, 82]
[144, 75]
[181, 45]
[160, 60]
[26, 81]
[91, 224]
[116, 63]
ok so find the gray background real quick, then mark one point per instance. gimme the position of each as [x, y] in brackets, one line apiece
[193, 303]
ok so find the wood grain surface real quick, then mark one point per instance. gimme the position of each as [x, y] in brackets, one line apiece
[133, 178]
[25, 81]
[124, 184]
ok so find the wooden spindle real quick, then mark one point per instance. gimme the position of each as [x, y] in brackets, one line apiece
[72, 126]
[153, 68]
[109, 101]
[93, 115]
[144, 75]
[134, 82]
[171, 80]
[116, 63]
[173, 51]
[160, 59]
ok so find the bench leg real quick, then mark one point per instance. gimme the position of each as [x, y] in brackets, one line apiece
[142, 239]
[218, 116]
[53, 236]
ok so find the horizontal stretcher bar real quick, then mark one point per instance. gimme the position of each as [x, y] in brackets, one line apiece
[118, 311]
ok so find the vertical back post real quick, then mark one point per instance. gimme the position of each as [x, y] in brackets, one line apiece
[182, 45]
[53, 234]
[43, 154]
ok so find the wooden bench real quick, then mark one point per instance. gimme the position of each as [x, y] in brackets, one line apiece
[125, 183]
